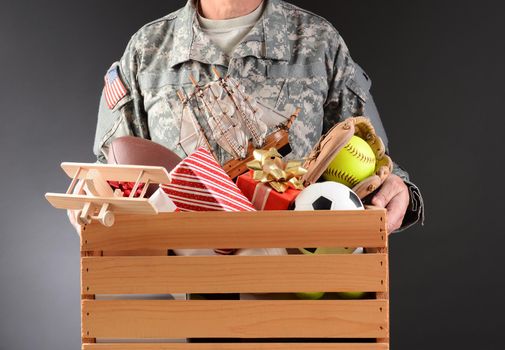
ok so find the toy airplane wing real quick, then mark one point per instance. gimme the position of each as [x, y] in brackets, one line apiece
[90, 192]
[115, 172]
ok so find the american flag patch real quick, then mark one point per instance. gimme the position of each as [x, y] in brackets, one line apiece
[114, 89]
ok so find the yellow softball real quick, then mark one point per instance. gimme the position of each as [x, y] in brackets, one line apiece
[354, 163]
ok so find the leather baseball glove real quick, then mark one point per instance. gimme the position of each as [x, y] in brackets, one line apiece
[335, 139]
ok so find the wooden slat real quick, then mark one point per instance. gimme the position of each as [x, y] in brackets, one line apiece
[132, 319]
[238, 346]
[384, 294]
[119, 172]
[119, 205]
[234, 274]
[87, 296]
[267, 229]
[138, 252]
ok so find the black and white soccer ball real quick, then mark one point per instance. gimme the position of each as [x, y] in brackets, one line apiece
[328, 195]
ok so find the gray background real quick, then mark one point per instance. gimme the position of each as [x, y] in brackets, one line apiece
[438, 71]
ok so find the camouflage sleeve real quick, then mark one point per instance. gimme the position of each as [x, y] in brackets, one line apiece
[415, 210]
[125, 116]
[349, 96]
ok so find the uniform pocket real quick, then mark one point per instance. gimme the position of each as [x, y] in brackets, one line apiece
[268, 90]
[162, 104]
[159, 91]
[288, 85]
[172, 78]
[357, 89]
[307, 86]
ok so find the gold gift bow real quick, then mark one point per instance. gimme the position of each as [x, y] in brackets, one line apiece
[269, 168]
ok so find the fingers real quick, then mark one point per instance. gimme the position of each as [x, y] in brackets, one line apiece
[396, 209]
[390, 188]
[394, 196]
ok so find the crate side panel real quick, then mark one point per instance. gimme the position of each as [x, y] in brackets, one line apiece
[384, 294]
[267, 229]
[234, 274]
[146, 319]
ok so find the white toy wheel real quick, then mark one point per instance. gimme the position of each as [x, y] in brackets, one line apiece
[108, 219]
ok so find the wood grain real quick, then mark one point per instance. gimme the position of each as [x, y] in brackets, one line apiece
[237, 346]
[234, 274]
[87, 296]
[97, 185]
[119, 205]
[136, 272]
[266, 229]
[384, 294]
[138, 252]
[144, 319]
[119, 172]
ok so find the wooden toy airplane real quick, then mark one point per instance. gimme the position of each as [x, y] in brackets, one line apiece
[100, 201]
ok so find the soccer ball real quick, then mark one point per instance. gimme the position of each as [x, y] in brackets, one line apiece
[328, 196]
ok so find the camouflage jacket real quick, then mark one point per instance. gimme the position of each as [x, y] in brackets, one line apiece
[291, 58]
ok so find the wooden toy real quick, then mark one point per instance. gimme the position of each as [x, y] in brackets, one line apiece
[98, 201]
[238, 123]
[112, 263]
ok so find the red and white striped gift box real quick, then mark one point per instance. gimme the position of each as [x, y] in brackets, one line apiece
[199, 183]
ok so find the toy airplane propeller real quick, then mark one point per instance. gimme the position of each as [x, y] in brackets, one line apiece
[99, 201]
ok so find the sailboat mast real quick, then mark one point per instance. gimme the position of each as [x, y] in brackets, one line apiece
[236, 149]
[257, 140]
[196, 125]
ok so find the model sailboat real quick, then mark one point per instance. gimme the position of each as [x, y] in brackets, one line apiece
[222, 113]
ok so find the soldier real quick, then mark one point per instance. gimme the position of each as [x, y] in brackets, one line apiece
[283, 55]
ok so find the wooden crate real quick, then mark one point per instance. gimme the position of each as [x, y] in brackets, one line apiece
[131, 258]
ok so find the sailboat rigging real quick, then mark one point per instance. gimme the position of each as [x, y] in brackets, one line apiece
[236, 122]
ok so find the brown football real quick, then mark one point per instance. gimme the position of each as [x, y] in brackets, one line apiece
[129, 150]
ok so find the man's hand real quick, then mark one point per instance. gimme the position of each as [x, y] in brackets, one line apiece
[72, 216]
[394, 196]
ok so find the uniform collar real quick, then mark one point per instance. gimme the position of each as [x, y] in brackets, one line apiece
[267, 39]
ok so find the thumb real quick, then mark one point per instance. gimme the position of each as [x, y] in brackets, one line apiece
[379, 200]
[388, 190]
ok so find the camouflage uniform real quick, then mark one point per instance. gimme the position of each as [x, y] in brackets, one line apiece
[290, 58]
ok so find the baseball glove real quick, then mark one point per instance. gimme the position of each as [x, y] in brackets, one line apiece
[335, 139]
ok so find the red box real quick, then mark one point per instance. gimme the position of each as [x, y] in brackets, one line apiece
[199, 183]
[264, 197]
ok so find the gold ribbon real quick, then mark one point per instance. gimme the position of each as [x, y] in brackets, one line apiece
[269, 168]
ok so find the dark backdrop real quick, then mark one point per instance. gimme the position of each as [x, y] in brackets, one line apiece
[438, 71]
